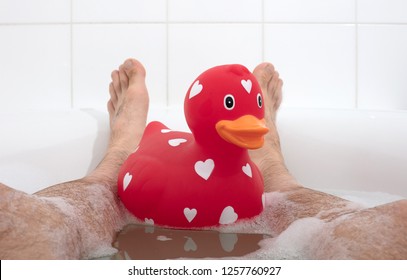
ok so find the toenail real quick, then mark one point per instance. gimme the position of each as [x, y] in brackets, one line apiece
[269, 68]
[128, 64]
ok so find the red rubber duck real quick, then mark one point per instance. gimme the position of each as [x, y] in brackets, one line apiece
[183, 180]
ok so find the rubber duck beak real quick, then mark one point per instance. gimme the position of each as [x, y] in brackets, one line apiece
[246, 132]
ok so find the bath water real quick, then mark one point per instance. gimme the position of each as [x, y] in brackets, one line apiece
[251, 239]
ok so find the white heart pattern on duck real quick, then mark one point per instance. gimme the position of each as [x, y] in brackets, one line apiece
[228, 216]
[195, 89]
[126, 180]
[165, 130]
[247, 170]
[204, 168]
[190, 214]
[176, 142]
[247, 84]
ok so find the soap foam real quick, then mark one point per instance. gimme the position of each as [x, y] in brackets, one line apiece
[293, 243]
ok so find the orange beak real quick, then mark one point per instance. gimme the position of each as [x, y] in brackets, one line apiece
[246, 132]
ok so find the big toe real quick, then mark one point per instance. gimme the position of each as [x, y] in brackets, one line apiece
[134, 70]
[264, 73]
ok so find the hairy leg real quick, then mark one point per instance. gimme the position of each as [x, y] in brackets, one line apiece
[304, 202]
[75, 219]
[269, 158]
[349, 230]
[374, 233]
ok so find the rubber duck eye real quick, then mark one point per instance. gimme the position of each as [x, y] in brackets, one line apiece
[259, 100]
[229, 102]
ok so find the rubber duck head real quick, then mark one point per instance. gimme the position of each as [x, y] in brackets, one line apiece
[224, 107]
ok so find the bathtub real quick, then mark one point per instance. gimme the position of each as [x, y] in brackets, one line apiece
[330, 150]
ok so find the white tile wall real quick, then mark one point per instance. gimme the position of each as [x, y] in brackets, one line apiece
[382, 11]
[119, 10]
[35, 67]
[382, 67]
[35, 11]
[215, 11]
[325, 11]
[331, 53]
[317, 63]
[100, 48]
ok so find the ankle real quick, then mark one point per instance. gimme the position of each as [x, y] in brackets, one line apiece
[276, 176]
[107, 171]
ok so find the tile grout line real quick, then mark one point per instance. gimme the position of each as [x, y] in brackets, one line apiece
[71, 60]
[167, 88]
[263, 51]
[356, 57]
[202, 22]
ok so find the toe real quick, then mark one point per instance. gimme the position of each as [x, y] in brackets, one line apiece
[124, 79]
[113, 94]
[273, 85]
[264, 73]
[279, 93]
[110, 108]
[134, 70]
[116, 81]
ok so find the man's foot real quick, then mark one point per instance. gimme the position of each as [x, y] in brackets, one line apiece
[128, 105]
[269, 158]
[272, 86]
[128, 108]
